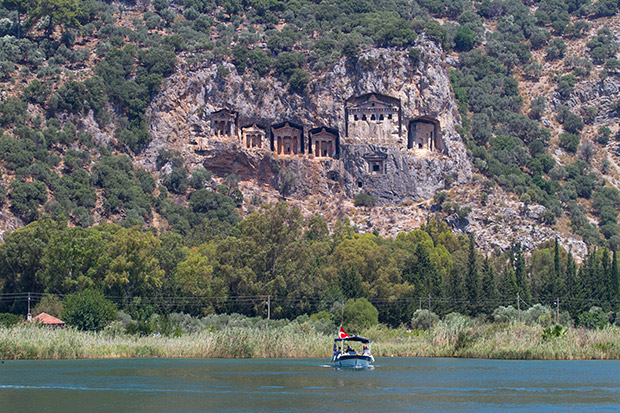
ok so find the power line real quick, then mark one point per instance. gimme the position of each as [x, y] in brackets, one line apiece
[292, 301]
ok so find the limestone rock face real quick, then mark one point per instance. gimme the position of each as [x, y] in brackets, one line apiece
[599, 94]
[180, 119]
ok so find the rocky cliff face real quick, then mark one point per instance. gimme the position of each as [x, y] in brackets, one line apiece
[180, 117]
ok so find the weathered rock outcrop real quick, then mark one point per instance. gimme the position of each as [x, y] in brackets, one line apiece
[180, 116]
[601, 94]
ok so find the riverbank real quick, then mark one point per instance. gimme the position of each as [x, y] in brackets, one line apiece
[496, 341]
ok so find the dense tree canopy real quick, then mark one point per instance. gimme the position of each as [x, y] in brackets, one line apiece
[276, 252]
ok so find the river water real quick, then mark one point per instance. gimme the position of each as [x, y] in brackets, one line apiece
[395, 384]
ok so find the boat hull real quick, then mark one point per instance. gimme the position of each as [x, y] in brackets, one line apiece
[353, 361]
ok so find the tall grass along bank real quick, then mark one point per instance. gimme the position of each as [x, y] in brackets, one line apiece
[501, 341]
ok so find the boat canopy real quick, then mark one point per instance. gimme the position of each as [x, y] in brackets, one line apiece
[354, 338]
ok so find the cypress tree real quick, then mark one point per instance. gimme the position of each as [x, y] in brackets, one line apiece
[556, 257]
[547, 288]
[522, 283]
[614, 281]
[571, 281]
[587, 281]
[489, 286]
[429, 279]
[560, 274]
[509, 285]
[606, 288]
[598, 278]
[455, 291]
[472, 281]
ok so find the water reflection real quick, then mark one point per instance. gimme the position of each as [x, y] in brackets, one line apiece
[304, 384]
[352, 368]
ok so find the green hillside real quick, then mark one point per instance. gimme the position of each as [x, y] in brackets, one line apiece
[97, 220]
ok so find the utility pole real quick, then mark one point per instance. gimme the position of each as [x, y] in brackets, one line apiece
[429, 312]
[268, 307]
[29, 316]
[420, 302]
[519, 307]
[557, 310]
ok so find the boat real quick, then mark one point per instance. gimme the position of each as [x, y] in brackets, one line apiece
[348, 357]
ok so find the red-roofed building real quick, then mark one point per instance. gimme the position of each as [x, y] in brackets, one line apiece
[47, 320]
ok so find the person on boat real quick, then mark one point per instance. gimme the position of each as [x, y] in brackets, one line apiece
[337, 351]
[365, 351]
[350, 350]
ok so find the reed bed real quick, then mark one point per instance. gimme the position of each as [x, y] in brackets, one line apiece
[26, 342]
[504, 341]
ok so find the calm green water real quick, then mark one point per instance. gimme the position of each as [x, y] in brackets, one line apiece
[395, 384]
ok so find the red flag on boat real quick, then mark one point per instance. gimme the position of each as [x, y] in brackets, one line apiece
[342, 334]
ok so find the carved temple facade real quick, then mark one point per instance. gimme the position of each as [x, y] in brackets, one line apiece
[371, 118]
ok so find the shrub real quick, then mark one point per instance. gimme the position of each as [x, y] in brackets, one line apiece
[26, 197]
[364, 199]
[553, 332]
[199, 177]
[286, 181]
[8, 319]
[569, 141]
[555, 50]
[214, 205]
[88, 310]
[538, 314]
[419, 321]
[222, 72]
[595, 318]
[176, 180]
[566, 84]
[298, 81]
[288, 62]
[603, 135]
[49, 304]
[359, 314]
[454, 322]
[464, 39]
[572, 123]
[505, 314]
[605, 8]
